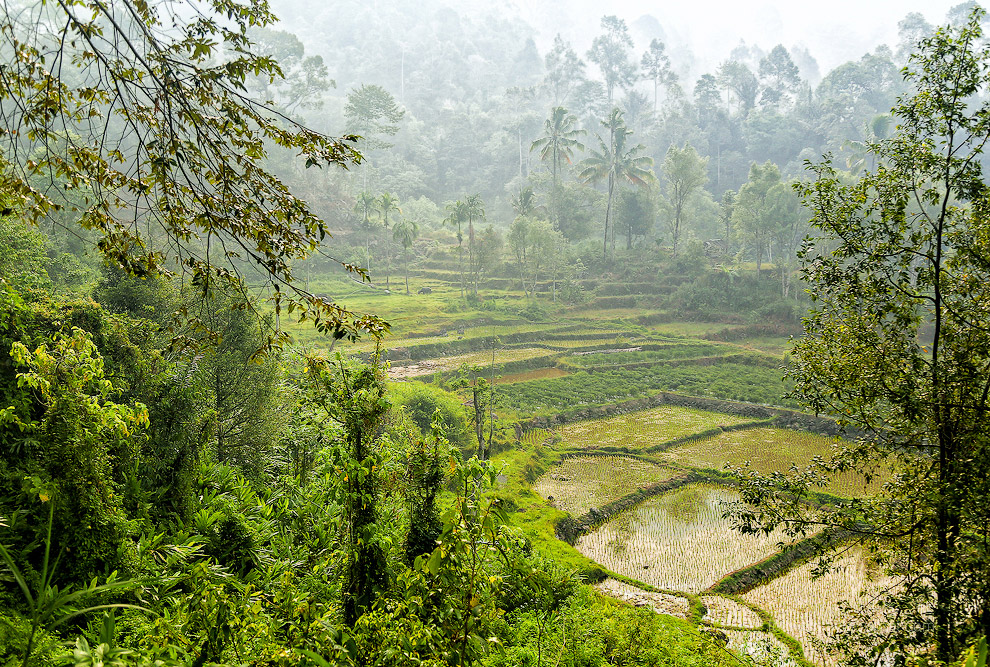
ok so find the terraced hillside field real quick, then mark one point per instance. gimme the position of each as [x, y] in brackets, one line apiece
[768, 450]
[640, 430]
[453, 362]
[681, 541]
[678, 541]
[582, 482]
[806, 607]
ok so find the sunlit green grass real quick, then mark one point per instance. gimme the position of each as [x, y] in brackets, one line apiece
[692, 329]
[526, 376]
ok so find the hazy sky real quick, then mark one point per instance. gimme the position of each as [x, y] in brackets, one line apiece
[834, 31]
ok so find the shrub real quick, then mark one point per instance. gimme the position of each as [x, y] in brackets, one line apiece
[420, 401]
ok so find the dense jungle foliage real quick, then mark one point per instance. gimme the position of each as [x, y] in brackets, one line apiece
[213, 453]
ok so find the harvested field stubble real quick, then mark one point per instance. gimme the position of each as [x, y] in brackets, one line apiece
[662, 603]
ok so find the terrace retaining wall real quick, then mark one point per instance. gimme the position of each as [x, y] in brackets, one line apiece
[752, 576]
[569, 529]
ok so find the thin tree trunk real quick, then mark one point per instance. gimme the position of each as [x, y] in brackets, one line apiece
[608, 215]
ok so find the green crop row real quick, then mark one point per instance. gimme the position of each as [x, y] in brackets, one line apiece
[733, 381]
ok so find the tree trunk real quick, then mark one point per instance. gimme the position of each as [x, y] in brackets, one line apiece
[471, 267]
[608, 215]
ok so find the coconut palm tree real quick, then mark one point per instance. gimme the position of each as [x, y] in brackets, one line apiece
[456, 216]
[524, 204]
[559, 140]
[406, 232]
[616, 161]
[365, 206]
[558, 143]
[474, 207]
[387, 203]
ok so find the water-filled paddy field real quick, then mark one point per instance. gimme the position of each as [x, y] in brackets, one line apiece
[806, 607]
[677, 541]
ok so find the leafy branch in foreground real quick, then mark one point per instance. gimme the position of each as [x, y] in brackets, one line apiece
[133, 118]
[897, 348]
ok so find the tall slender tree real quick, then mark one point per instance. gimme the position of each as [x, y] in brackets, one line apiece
[474, 207]
[616, 161]
[558, 143]
[406, 232]
[564, 71]
[779, 76]
[365, 205]
[456, 216]
[739, 79]
[656, 68]
[387, 203]
[684, 172]
[610, 51]
[757, 207]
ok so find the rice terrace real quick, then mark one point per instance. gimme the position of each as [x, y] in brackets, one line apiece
[494, 334]
[618, 461]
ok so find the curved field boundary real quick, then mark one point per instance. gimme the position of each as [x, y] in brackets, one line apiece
[708, 360]
[570, 529]
[637, 454]
[752, 576]
[708, 433]
[794, 649]
[669, 444]
[781, 417]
